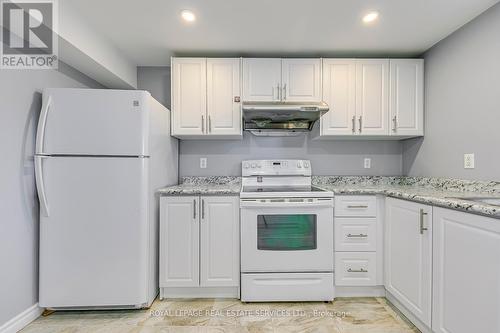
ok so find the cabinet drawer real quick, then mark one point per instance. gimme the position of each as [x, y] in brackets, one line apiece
[355, 268]
[356, 205]
[355, 234]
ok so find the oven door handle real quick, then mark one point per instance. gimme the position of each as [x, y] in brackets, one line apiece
[250, 203]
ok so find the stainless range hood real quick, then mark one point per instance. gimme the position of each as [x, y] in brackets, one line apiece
[281, 118]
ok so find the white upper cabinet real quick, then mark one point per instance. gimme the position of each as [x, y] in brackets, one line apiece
[189, 96]
[407, 97]
[301, 80]
[466, 269]
[261, 79]
[281, 80]
[408, 256]
[223, 96]
[206, 98]
[372, 96]
[339, 92]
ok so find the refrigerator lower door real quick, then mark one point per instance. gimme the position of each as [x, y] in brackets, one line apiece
[94, 247]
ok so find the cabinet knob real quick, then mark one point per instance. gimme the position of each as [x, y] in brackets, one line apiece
[237, 99]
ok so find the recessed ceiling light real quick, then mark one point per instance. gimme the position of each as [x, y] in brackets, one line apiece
[370, 17]
[188, 15]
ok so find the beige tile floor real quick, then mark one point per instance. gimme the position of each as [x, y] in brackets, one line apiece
[344, 315]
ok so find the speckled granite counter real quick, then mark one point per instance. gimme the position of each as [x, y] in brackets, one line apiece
[432, 191]
[214, 185]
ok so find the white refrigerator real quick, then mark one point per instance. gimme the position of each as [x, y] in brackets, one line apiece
[100, 157]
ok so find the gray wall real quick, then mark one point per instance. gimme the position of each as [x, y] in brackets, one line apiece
[224, 157]
[156, 80]
[462, 104]
[20, 102]
[327, 157]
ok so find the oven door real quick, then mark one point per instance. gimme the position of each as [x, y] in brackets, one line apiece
[287, 235]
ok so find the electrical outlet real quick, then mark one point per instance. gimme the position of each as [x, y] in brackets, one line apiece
[203, 162]
[469, 162]
[368, 163]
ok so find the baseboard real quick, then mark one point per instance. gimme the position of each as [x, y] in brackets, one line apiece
[200, 292]
[21, 320]
[411, 317]
[361, 291]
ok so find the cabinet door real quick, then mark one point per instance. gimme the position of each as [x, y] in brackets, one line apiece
[220, 241]
[223, 93]
[407, 97]
[179, 241]
[189, 96]
[339, 76]
[408, 256]
[301, 80]
[372, 96]
[261, 79]
[466, 273]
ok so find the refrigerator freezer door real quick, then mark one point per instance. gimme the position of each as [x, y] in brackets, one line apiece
[94, 122]
[94, 241]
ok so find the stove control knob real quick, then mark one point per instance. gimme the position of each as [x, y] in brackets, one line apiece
[306, 165]
[299, 164]
[259, 166]
[253, 165]
[246, 166]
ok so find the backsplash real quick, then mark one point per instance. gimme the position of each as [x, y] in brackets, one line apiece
[213, 180]
[356, 180]
[447, 184]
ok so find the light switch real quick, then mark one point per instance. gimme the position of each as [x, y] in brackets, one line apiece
[469, 162]
[203, 162]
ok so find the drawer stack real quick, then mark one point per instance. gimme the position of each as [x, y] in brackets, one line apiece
[356, 240]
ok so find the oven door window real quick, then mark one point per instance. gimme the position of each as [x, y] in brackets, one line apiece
[286, 232]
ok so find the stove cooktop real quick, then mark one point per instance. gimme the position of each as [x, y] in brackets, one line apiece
[256, 192]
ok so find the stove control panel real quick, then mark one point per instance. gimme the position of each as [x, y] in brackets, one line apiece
[276, 167]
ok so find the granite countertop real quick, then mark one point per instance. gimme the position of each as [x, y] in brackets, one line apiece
[439, 192]
[430, 191]
[204, 186]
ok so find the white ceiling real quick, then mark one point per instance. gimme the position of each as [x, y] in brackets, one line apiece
[150, 31]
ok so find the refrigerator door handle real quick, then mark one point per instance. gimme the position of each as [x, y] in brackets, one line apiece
[40, 133]
[40, 186]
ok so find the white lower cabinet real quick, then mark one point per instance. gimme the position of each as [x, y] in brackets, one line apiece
[357, 234]
[179, 242]
[199, 243]
[466, 277]
[220, 242]
[408, 256]
[355, 268]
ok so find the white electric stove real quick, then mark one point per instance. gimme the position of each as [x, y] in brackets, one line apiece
[286, 233]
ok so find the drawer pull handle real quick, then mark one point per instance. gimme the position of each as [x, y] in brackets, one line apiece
[361, 270]
[357, 235]
[357, 206]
